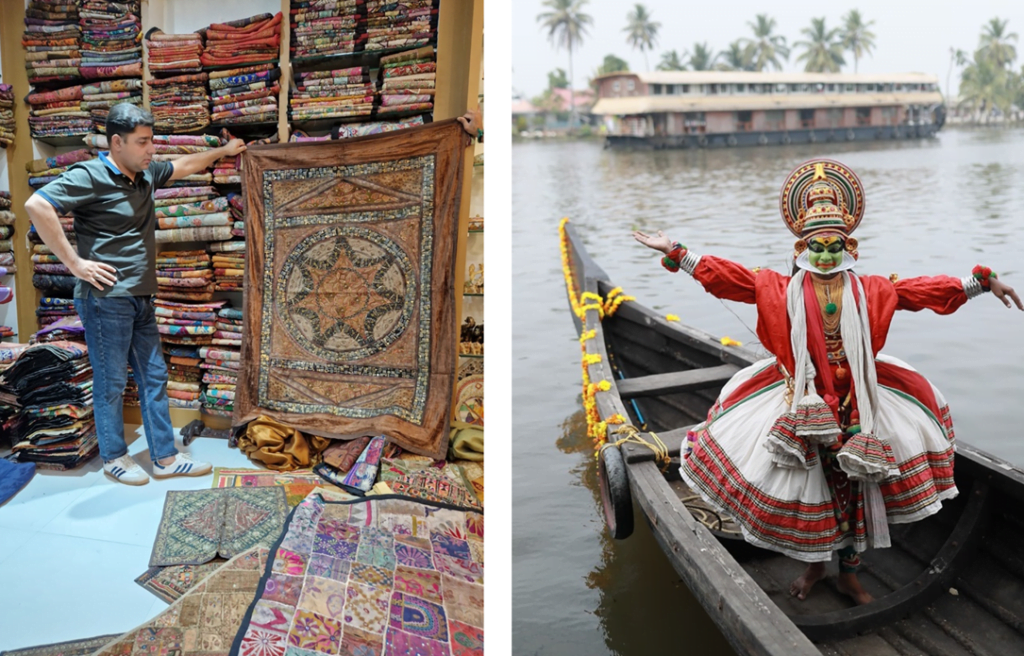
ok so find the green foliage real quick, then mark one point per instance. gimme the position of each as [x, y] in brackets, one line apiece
[768, 47]
[988, 80]
[641, 31]
[612, 64]
[856, 37]
[739, 56]
[671, 61]
[701, 58]
[557, 79]
[823, 49]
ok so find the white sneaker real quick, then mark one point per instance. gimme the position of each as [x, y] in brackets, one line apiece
[182, 465]
[125, 470]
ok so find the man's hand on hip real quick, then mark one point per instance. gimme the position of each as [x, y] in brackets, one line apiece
[96, 274]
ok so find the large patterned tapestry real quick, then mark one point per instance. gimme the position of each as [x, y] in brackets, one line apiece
[349, 314]
[385, 575]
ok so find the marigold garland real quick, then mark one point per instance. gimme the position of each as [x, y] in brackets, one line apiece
[597, 429]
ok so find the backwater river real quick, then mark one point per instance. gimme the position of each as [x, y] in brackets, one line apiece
[936, 206]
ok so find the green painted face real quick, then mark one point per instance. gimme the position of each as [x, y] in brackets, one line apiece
[825, 253]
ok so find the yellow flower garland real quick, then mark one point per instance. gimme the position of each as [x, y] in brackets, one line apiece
[597, 429]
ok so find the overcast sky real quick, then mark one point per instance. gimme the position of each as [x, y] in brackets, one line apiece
[910, 35]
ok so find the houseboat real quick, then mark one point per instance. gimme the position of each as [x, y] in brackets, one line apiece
[707, 109]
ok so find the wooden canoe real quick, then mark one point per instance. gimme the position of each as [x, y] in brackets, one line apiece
[951, 585]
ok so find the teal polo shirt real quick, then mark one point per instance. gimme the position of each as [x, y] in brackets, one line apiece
[115, 220]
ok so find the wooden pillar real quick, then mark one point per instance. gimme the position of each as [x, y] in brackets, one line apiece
[12, 24]
[459, 53]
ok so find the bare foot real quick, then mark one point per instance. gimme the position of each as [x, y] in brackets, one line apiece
[850, 586]
[814, 573]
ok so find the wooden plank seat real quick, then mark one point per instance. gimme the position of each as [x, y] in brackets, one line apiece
[677, 381]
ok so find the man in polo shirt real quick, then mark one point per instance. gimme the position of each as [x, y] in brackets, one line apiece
[111, 198]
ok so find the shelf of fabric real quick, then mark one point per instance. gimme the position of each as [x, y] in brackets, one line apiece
[225, 67]
[369, 58]
[73, 140]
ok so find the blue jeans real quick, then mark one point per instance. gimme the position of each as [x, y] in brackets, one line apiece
[120, 331]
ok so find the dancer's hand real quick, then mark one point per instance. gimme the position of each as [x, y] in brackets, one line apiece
[1004, 293]
[659, 243]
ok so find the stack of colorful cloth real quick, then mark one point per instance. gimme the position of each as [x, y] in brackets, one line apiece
[229, 269]
[220, 374]
[173, 53]
[185, 328]
[58, 113]
[6, 215]
[180, 103]
[409, 81]
[50, 276]
[6, 331]
[226, 171]
[245, 95]
[99, 97]
[111, 39]
[184, 276]
[51, 386]
[348, 130]
[244, 41]
[131, 390]
[68, 329]
[339, 93]
[206, 220]
[7, 122]
[52, 41]
[52, 310]
[45, 170]
[322, 28]
[391, 25]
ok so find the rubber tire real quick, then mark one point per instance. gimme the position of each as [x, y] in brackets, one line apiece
[813, 138]
[851, 135]
[763, 140]
[702, 141]
[786, 140]
[731, 140]
[616, 498]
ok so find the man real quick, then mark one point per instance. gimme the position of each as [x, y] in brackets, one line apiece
[111, 198]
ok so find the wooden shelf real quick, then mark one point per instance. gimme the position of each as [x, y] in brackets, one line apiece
[466, 355]
[369, 58]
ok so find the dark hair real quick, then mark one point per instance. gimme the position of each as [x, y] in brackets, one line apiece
[124, 118]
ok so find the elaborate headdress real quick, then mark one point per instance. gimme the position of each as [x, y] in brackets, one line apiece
[822, 196]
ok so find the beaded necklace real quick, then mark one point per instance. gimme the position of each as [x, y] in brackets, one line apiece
[830, 300]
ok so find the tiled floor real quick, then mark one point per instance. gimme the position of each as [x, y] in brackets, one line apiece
[72, 544]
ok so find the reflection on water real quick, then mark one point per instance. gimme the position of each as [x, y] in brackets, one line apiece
[933, 207]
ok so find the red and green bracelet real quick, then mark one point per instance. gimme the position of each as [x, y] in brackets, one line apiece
[984, 275]
[674, 257]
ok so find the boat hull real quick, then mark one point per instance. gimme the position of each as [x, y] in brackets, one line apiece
[774, 138]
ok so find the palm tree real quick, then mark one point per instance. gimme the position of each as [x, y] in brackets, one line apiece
[823, 51]
[995, 43]
[671, 61]
[641, 31]
[738, 57]
[856, 36]
[768, 47]
[957, 58]
[701, 58]
[984, 85]
[566, 25]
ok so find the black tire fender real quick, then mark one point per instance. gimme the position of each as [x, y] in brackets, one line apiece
[616, 497]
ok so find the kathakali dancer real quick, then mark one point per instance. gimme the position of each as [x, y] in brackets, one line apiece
[819, 448]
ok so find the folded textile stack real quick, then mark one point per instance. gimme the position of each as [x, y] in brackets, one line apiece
[321, 28]
[245, 95]
[42, 171]
[348, 130]
[99, 97]
[6, 331]
[392, 25]
[111, 39]
[7, 122]
[229, 269]
[50, 275]
[332, 94]
[58, 113]
[51, 386]
[173, 53]
[184, 375]
[68, 329]
[203, 220]
[244, 41]
[52, 41]
[6, 215]
[220, 375]
[180, 103]
[52, 310]
[226, 171]
[131, 390]
[183, 276]
[409, 79]
[185, 328]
